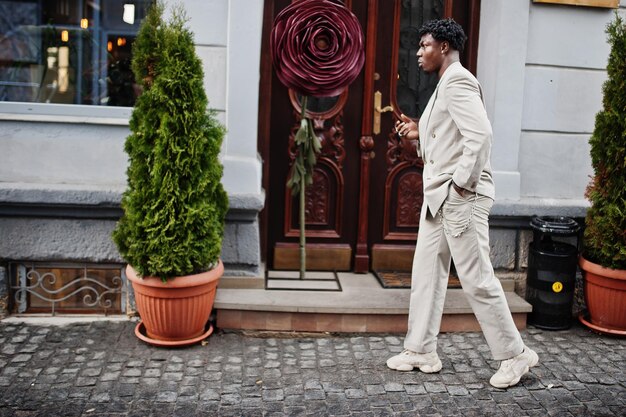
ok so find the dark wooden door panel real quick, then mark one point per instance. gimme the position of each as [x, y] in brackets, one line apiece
[331, 215]
[362, 211]
[396, 181]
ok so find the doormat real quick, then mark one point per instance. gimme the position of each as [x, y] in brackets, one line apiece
[402, 279]
[313, 281]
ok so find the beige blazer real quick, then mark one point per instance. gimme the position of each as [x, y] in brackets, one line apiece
[455, 138]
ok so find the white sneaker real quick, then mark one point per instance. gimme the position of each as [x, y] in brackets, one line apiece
[407, 360]
[511, 370]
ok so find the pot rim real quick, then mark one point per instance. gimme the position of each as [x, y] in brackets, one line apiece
[186, 281]
[588, 266]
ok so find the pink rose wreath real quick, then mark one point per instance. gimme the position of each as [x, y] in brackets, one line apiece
[317, 50]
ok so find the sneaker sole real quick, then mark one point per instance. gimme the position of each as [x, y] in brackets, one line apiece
[427, 369]
[512, 383]
[403, 368]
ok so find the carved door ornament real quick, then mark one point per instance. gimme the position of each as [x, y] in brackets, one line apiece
[323, 199]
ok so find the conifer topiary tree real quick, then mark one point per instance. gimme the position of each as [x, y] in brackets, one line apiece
[605, 233]
[174, 206]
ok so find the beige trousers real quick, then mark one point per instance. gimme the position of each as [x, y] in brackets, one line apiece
[460, 231]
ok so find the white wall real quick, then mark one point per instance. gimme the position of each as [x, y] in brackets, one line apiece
[63, 153]
[542, 67]
[565, 69]
[228, 40]
[242, 163]
[501, 58]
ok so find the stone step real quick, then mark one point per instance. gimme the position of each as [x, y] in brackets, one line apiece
[362, 305]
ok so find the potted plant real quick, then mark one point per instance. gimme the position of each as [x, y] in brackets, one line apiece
[604, 242]
[174, 206]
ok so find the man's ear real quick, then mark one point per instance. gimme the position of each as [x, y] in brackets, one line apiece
[445, 47]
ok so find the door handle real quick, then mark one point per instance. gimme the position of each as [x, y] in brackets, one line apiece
[378, 98]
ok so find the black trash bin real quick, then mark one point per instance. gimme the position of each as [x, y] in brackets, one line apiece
[551, 274]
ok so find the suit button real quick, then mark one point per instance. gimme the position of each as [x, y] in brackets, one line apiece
[474, 185]
[434, 135]
[431, 161]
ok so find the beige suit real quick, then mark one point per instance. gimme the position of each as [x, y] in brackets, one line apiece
[455, 143]
[455, 138]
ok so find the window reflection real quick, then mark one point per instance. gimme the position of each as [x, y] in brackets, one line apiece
[414, 86]
[69, 51]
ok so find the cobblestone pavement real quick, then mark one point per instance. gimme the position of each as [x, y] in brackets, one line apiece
[101, 369]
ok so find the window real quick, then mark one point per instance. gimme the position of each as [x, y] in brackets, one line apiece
[69, 51]
[66, 288]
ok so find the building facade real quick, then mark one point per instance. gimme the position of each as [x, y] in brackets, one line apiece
[63, 165]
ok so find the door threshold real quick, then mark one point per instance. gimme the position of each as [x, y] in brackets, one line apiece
[312, 281]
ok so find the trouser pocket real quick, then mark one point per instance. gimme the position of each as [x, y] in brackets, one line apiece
[456, 212]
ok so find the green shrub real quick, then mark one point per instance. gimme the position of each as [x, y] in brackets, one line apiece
[175, 204]
[605, 233]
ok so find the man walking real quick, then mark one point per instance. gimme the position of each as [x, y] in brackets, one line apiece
[454, 141]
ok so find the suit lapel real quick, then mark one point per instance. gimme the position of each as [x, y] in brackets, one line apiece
[431, 103]
[430, 106]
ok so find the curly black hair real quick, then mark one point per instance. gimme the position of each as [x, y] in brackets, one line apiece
[445, 30]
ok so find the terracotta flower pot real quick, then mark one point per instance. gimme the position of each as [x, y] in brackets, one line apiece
[175, 312]
[605, 296]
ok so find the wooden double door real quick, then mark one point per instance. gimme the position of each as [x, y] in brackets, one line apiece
[363, 209]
